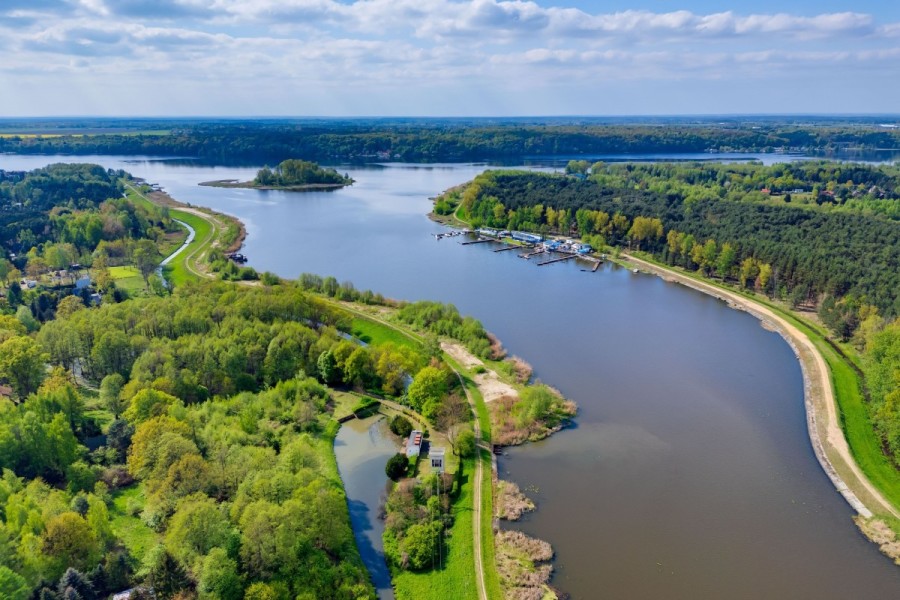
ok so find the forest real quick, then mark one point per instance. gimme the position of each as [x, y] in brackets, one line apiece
[203, 464]
[449, 140]
[822, 250]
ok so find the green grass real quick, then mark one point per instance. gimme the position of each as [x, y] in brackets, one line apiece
[128, 278]
[373, 332]
[135, 535]
[865, 445]
[457, 578]
[177, 271]
[344, 403]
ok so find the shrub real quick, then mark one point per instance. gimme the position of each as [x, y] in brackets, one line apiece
[401, 426]
[396, 466]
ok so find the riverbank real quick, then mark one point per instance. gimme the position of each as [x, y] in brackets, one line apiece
[824, 415]
[306, 187]
[212, 231]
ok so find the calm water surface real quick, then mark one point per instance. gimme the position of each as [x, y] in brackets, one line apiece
[362, 448]
[689, 473]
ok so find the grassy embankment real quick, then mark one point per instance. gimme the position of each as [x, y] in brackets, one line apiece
[185, 267]
[847, 382]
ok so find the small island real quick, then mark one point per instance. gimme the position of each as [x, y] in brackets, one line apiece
[290, 175]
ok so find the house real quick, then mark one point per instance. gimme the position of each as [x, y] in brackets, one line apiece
[436, 456]
[414, 444]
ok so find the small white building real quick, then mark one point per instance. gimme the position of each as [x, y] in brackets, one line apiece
[436, 455]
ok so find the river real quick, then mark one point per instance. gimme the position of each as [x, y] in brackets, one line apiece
[689, 473]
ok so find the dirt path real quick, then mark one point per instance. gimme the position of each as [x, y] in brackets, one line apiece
[476, 506]
[825, 432]
[489, 383]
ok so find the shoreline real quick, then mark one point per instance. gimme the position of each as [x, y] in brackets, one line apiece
[306, 187]
[822, 414]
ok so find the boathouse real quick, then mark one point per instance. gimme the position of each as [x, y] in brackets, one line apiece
[414, 444]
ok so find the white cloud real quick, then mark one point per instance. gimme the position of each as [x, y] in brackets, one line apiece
[390, 46]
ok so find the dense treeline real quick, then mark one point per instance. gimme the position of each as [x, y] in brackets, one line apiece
[213, 413]
[882, 367]
[446, 140]
[213, 420]
[297, 173]
[810, 253]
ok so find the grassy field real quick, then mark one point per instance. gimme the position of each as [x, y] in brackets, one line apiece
[128, 278]
[137, 537]
[373, 332]
[457, 578]
[344, 403]
[864, 443]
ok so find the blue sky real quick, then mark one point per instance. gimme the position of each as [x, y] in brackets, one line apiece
[447, 57]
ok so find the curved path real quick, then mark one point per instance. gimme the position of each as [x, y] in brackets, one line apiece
[822, 416]
[190, 238]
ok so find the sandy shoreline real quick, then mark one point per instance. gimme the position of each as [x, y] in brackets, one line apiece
[827, 437]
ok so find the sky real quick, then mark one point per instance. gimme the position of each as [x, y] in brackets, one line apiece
[447, 57]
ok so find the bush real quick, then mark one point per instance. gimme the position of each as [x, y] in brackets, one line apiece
[396, 466]
[401, 426]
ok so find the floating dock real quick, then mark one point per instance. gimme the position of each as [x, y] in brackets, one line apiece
[530, 254]
[479, 241]
[505, 248]
[556, 260]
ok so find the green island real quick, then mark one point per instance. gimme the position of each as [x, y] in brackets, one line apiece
[811, 247]
[292, 176]
[175, 433]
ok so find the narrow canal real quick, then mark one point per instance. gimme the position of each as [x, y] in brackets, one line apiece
[362, 448]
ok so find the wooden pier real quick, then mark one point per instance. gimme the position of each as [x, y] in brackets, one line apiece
[556, 260]
[528, 255]
[505, 248]
[481, 241]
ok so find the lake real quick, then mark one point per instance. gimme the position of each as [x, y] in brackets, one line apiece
[689, 473]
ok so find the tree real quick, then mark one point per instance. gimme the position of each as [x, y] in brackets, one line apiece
[69, 306]
[396, 466]
[110, 393]
[420, 544]
[12, 585]
[260, 591]
[145, 257]
[428, 388]
[164, 575]
[401, 426]
[465, 443]
[219, 579]
[118, 437]
[70, 542]
[327, 367]
[22, 365]
[75, 584]
[197, 527]
[726, 260]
